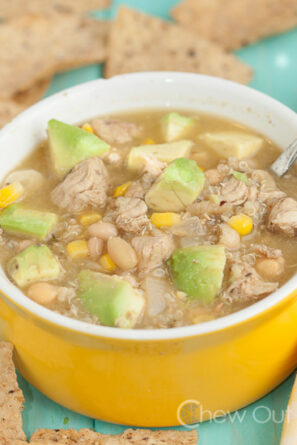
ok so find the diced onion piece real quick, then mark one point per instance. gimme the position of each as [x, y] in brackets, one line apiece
[156, 288]
[31, 180]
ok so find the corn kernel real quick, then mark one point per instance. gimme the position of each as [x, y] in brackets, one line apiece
[201, 168]
[10, 193]
[165, 219]
[89, 218]
[78, 249]
[242, 223]
[149, 141]
[87, 127]
[121, 189]
[106, 263]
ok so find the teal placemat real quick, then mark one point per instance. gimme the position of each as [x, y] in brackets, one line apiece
[275, 64]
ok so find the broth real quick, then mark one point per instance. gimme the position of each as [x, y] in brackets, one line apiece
[264, 259]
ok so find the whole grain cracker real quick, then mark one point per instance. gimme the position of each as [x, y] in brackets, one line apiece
[33, 94]
[10, 108]
[135, 437]
[14, 8]
[235, 23]
[148, 437]
[34, 47]
[139, 42]
[11, 399]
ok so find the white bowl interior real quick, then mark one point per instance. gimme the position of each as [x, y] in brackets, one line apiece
[146, 91]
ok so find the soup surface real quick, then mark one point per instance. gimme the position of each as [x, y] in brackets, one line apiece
[151, 219]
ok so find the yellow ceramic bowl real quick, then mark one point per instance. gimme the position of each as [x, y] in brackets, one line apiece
[141, 377]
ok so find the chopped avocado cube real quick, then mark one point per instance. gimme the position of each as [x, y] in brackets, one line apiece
[110, 298]
[240, 176]
[198, 270]
[232, 143]
[70, 145]
[163, 152]
[178, 186]
[174, 126]
[20, 220]
[33, 264]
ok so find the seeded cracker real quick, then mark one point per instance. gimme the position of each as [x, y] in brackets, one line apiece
[235, 23]
[34, 47]
[11, 399]
[139, 42]
[9, 108]
[14, 8]
[135, 437]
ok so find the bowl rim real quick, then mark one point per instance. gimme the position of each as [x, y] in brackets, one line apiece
[20, 299]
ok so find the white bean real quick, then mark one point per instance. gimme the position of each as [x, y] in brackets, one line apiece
[121, 253]
[95, 246]
[103, 230]
[270, 268]
[42, 293]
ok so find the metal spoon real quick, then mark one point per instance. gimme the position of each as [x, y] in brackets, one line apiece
[285, 160]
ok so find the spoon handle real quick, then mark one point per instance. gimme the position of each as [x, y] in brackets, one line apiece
[285, 160]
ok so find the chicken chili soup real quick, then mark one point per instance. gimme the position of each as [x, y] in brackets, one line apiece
[152, 219]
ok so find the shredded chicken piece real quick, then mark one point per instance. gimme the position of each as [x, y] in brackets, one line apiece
[153, 166]
[253, 207]
[205, 208]
[233, 192]
[85, 186]
[115, 131]
[214, 176]
[136, 190]
[283, 217]
[246, 284]
[152, 250]
[264, 179]
[268, 252]
[271, 197]
[130, 214]
[188, 227]
[268, 191]
[139, 188]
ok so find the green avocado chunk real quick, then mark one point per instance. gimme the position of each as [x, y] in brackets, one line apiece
[198, 270]
[110, 298]
[33, 264]
[178, 186]
[70, 145]
[163, 152]
[174, 126]
[20, 220]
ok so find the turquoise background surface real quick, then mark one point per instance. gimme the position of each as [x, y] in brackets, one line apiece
[274, 61]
